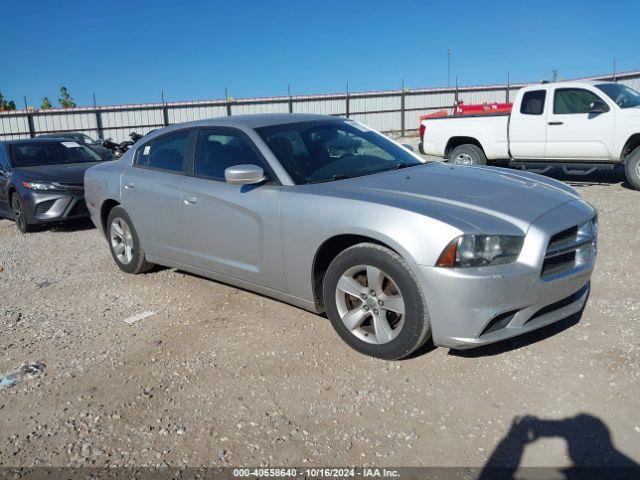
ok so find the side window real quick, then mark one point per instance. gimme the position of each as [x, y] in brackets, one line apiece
[165, 153]
[217, 150]
[533, 102]
[573, 100]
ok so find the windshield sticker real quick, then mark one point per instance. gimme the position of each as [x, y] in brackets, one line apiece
[146, 150]
[359, 126]
[71, 144]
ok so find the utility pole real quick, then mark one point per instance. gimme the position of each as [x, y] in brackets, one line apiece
[449, 51]
[554, 75]
[614, 69]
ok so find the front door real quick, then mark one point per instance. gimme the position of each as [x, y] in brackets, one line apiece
[151, 195]
[234, 229]
[573, 132]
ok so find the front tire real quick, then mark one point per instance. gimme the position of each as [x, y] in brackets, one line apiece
[375, 303]
[632, 168]
[124, 243]
[19, 217]
[467, 154]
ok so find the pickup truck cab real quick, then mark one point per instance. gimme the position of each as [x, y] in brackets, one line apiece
[578, 126]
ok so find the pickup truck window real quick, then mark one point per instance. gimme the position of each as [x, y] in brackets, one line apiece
[624, 96]
[533, 102]
[573, 100]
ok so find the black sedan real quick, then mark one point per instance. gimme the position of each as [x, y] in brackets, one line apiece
[42, 180]
[83, 139]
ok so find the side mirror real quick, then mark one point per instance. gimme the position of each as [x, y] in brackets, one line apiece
[598, 107]
[408, 146]
[244, 175]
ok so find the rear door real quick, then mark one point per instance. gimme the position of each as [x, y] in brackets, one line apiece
[234, 229]
[573, 133]
[528, 126]
[4, 181]
[151, 194]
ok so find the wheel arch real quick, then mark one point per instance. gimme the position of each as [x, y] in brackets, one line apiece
[458, 140]
[105, 209]
[330, 249]
[630, 145]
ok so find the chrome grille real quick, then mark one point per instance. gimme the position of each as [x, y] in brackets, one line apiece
[570, 248]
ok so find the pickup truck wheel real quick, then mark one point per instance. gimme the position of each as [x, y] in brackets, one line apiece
[375, 303]
[632, 168]
[124, 243]
[467, 154]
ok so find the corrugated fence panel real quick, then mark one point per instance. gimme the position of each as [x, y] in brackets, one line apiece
[632, 82]
[13, 125]
[132, 118]
[385, 122]
[63, 122]
[429, 100]
[482, 96]
[331, 106]
[192, 113]
[248, 108]
[374, 104]
[122, 134]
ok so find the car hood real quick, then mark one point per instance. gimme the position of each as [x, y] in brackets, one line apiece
[483, 197]
[65, 172]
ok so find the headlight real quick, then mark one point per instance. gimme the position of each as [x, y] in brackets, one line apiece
[40, 186]
[480, 250]
[588, 236]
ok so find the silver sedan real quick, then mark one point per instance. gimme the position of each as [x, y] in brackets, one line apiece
[328, 215]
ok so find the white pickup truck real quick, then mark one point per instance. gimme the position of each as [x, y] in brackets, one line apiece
[578, 126]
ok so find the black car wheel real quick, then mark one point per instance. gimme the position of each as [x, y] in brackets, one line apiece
[18, 214]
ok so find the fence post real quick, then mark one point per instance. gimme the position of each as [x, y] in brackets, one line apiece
[32, 130]
[165, 112]
[226, 99]
[99, 124]
[402, 125]
[290, 99]
[347, 102]
[508, 88]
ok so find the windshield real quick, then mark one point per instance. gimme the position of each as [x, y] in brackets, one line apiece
[624, 96]
[321, 151]
[45, 153]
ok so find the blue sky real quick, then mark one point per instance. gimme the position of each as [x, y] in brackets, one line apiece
[129, 51]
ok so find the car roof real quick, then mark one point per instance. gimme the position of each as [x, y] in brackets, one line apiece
[35, 141]
[261, 119]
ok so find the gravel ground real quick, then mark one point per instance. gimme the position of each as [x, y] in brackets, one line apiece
[220, 376]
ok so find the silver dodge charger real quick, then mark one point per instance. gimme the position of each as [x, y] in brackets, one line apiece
[331, 216]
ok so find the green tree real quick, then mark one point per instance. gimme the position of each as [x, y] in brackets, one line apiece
[46, 103]
[6, 104]
[65, 99]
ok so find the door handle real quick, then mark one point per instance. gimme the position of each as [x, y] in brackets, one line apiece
[556, 123]
[129, 186]
[190, 200]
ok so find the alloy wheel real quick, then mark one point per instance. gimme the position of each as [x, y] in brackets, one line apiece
[463, 159]
[121, 240]
[370, 304]
[17, 211]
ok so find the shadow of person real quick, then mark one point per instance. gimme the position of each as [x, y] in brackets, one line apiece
[589, 445]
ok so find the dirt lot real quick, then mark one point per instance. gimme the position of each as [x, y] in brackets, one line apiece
[220, 376]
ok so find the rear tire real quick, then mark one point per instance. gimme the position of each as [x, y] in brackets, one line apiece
[124, 243]
[17, 208]
[632, 168]
[375, 303]
[467, 154]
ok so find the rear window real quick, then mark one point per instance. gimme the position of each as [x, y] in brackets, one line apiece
[34, 154]
[533, 102]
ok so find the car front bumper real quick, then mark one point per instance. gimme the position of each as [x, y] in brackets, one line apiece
[41, 207]
[471, 307]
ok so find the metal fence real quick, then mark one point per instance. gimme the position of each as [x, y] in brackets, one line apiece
[390, 111]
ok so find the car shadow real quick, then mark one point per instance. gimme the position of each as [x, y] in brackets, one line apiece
[77, 225]
[589, 445]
